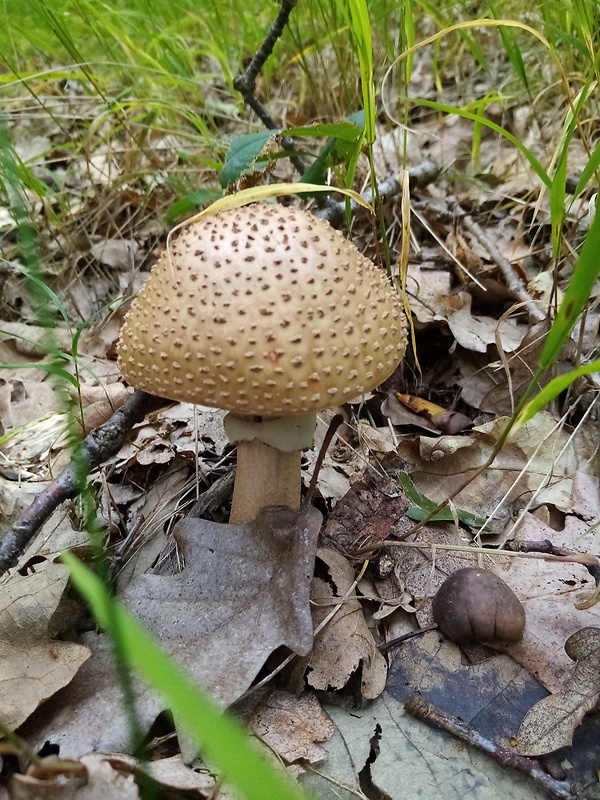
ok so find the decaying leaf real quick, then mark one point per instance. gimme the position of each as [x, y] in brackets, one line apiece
[538, 459]
[422, 569]
[412, 761]
[33, 663]
[244, 589]
[293, 727]
[243, 592]
[550, 724]
[171, 774]
[368, 513]
[93, 777]
[345, 643]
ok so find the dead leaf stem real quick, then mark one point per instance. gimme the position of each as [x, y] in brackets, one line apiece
[587, 559]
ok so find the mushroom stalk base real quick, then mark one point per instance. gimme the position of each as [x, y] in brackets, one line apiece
[265, 477]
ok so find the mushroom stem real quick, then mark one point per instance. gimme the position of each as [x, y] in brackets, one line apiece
[268, 461]
[265, 476]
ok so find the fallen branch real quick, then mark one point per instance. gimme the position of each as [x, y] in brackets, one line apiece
[417, 706]
[418, 176]
[100, 444]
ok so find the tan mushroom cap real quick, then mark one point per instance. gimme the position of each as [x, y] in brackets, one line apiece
[262, 310]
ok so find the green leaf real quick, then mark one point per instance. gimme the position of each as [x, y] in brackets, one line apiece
[346, 131]
[422, 506]
[242, 154]
[220, 738]
[338, 148]
[185, 205]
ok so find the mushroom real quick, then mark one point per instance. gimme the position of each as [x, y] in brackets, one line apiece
[271, 314]
[475, 605]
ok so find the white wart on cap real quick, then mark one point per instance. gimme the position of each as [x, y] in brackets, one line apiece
[262, 310]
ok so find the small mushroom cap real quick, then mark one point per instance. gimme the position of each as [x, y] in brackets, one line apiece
[475, 605]
[262, 310]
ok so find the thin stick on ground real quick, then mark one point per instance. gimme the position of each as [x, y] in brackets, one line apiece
[100, 444]
[417, 706]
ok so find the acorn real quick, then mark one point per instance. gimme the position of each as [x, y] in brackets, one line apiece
[475, 605]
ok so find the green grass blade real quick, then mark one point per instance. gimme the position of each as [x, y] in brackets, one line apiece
[220, 737]
[551, 391]
[357, 16]
[479, 118]
[585, 274]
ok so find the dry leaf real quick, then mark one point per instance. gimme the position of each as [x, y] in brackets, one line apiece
[549, 592]
[345, 643]
[539, 458]
[488, 388]
[476, 332]
[413, 761]
[33, 664]
[550, 724]
[293, 727]
[171, 774]
[95, 779]
[368, 513]
[243, 592]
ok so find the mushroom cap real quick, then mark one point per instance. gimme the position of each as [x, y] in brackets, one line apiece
[262, 310]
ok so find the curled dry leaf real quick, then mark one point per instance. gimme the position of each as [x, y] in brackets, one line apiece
[551, 722]
[94, 777]
[345, 644]
[33, 664]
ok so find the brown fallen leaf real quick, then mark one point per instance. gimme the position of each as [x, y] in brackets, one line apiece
[489, 389]
[175, 778]
[550, 724]
[372, 510]
[33, 664]
[293, 727]
[93, 777]
[477, 332]
[244, 592]
[540, 458]
[345, 644]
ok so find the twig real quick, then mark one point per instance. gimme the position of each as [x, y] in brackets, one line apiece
[421, 175]
[420, 708]
[245, 83]
[383, 648]
[587, 559]
[100, 444]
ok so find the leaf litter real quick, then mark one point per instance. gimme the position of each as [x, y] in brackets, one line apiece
[477, 358]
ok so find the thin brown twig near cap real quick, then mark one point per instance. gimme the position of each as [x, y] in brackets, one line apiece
[417, 706]
[100, 444]
[245, 83]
